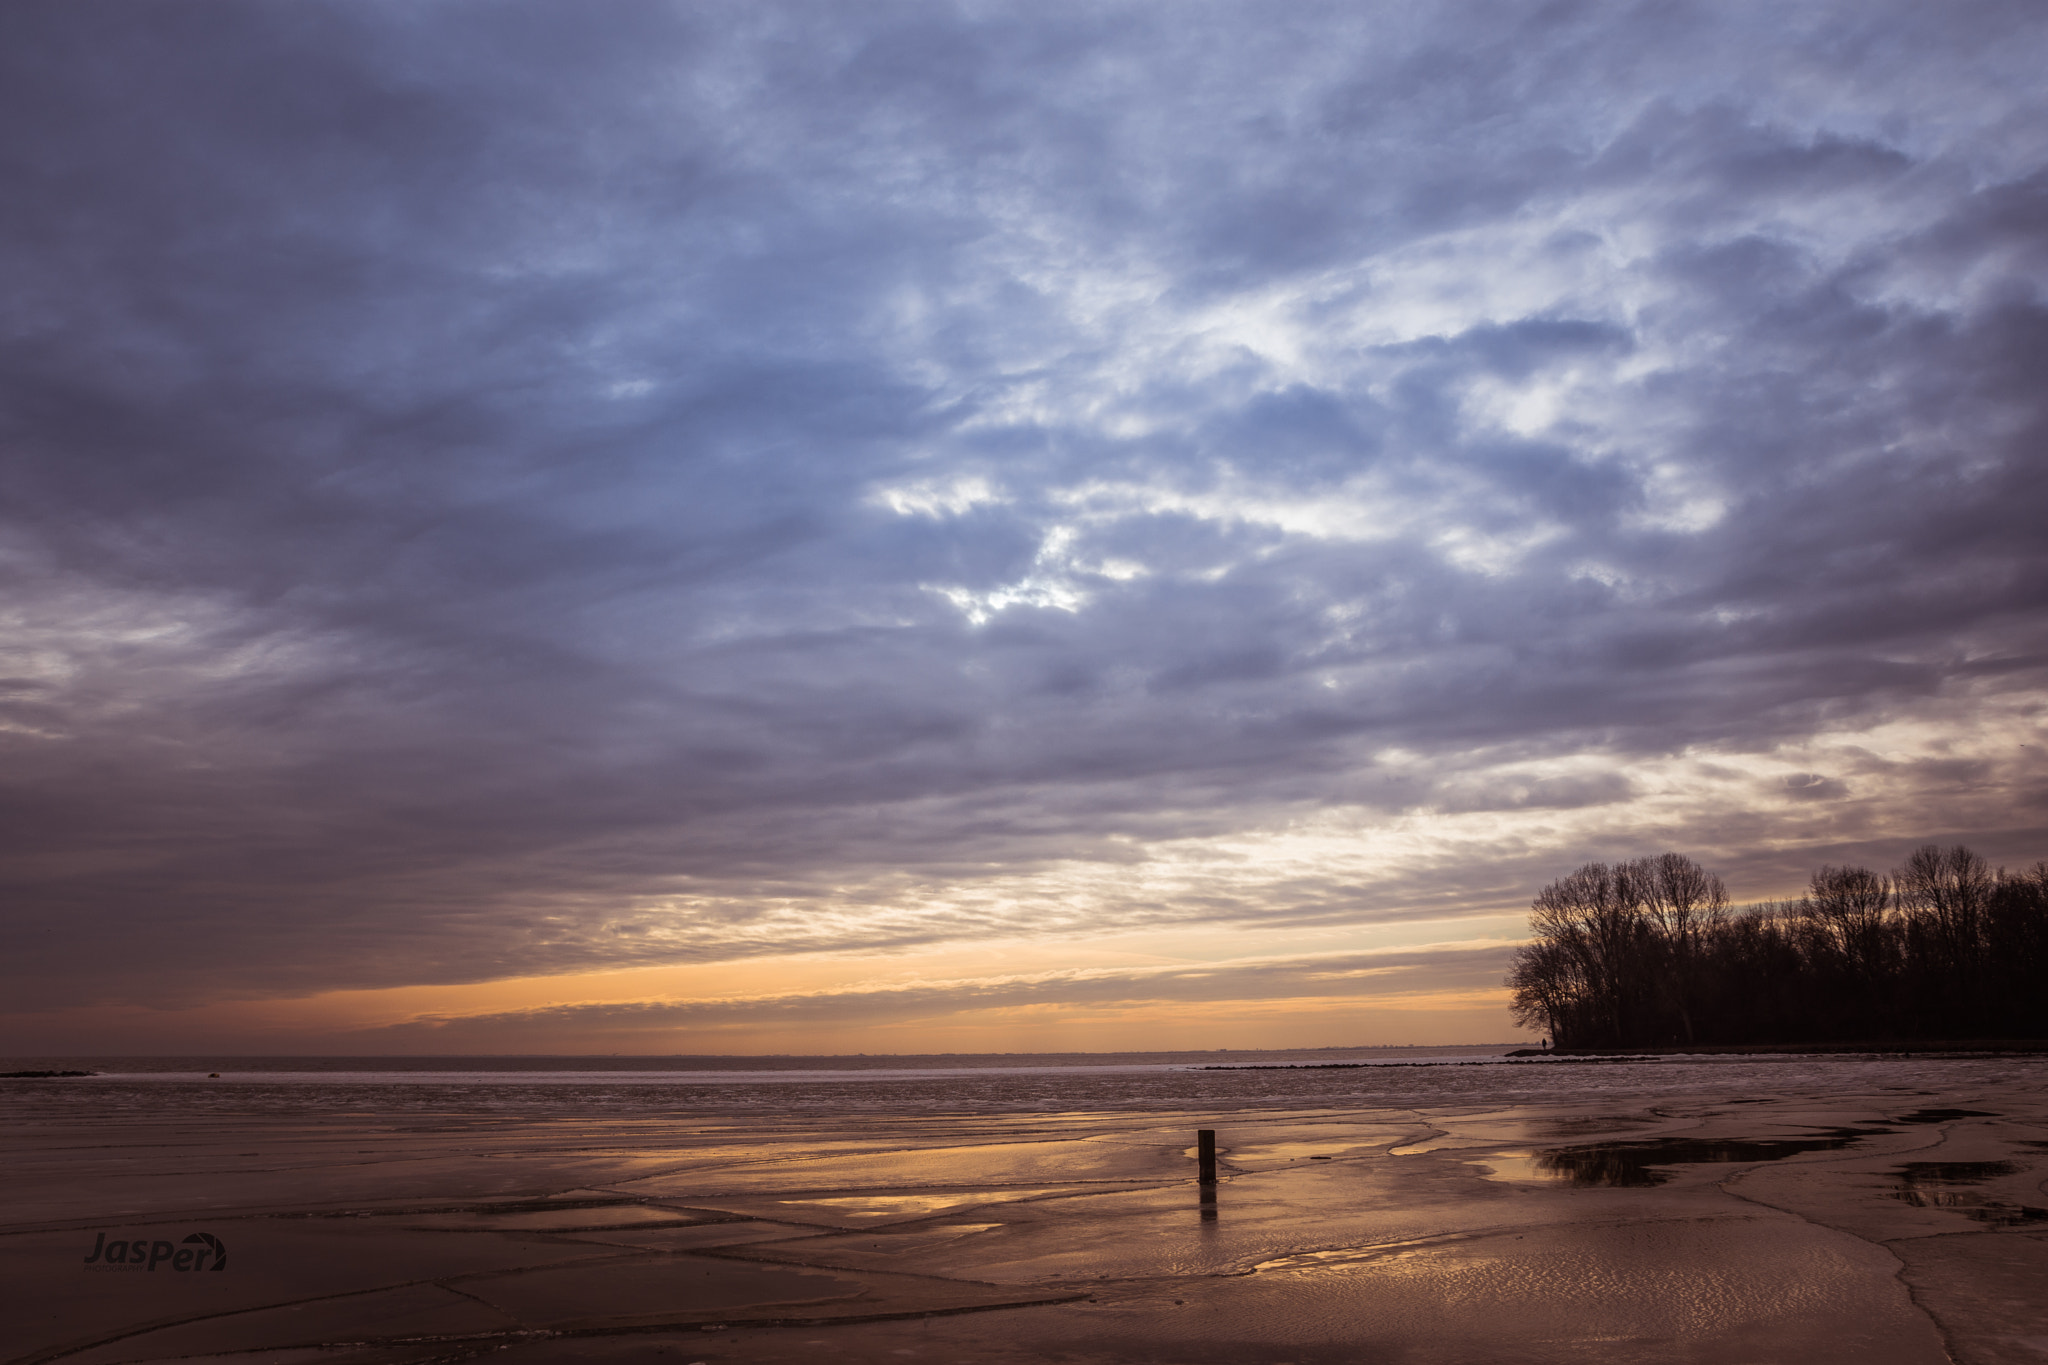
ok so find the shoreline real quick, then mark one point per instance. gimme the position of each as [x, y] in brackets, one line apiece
[1967, 1047]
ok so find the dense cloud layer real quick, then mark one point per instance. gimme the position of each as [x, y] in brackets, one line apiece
[493, 489]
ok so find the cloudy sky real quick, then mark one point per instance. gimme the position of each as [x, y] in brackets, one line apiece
[824, 527]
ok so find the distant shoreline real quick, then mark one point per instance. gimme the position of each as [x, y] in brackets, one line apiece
[1914, 1046]
[1372, 1057]
[513, 1064]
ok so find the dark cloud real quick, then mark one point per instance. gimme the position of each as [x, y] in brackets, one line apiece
[497, 489]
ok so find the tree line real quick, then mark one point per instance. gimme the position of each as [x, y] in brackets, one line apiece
[1649, 953]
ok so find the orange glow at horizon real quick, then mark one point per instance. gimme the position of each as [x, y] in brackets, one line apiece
[539, 1015]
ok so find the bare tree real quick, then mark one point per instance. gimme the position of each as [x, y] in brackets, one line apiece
[1682, 897]
[1852, 904]
[1948, 889]
[1595, 919]
[1549, 986]
[1684, 902]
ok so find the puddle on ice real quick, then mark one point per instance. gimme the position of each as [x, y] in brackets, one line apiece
[1634, 1164]
[920, 1241]
[1296, 1151]
[1954, 1172]
[602, 1218]
[1338, 1259]
[1949, 1185]
[1439, 1144]
[1520, 1167]
[1943, 1115]
[1580, 1124]
[900, 1205]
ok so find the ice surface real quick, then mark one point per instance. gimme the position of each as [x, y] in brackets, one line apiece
[1730, 1209]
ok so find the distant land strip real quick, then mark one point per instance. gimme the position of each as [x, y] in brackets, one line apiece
[1387, 1066]
[1945, 1046]
[41, 1075]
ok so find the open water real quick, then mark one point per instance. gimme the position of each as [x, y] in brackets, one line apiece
[1018, 1083]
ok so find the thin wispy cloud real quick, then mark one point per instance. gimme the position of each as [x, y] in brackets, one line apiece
[1434, 971]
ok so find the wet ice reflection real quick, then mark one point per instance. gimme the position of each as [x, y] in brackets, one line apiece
[1956, 1185]
[1637, 1163]
[1523, 1167]
[909, 1205]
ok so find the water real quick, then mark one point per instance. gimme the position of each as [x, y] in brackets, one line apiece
[713, 1068]
[1637, 1163]
[1954, 1185]
[1021, 1083]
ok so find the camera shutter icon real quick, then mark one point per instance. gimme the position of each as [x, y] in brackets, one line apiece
[212, 1243]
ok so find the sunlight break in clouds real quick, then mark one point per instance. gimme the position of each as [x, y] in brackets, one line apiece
[562, 522]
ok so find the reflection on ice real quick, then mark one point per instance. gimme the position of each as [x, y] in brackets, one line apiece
[1952, 1185]
[1934, 1174]
[1294, 1151]
[901, 1205]
[1943, 1115]
[603, 1218]
[1634, 1163]
[1522, 1167]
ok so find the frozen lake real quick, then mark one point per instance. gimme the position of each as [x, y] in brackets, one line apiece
[1425, 1205]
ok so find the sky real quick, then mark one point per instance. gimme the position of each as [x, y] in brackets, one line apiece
[753, 527]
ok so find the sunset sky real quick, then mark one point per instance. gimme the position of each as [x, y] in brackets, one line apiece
[747, 527]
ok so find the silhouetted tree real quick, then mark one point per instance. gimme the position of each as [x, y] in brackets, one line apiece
[1852, 951]
[1648, 953]
[1945, 892]
[1686, 904]
[1550, 988]
[1594, 920]
[2016, 938]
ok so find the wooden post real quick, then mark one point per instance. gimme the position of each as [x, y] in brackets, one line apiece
[1205, 1153]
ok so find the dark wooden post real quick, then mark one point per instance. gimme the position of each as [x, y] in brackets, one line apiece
[1205, 1154]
